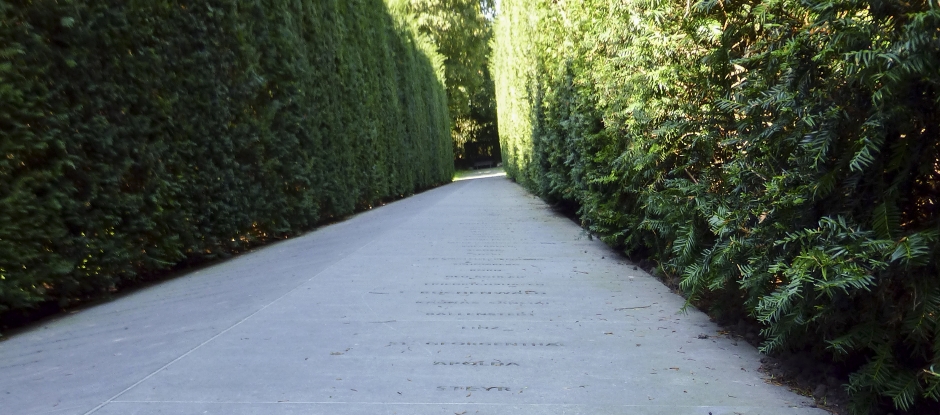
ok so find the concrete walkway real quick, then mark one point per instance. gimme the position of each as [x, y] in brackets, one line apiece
[473, 298]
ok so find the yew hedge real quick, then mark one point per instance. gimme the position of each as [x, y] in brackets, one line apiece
[780, 157]
[138, 135]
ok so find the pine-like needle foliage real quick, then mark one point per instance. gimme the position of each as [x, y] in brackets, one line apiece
[779, 157]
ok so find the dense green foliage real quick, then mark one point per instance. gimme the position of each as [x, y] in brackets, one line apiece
[462, 33]
[779, 157]
[137, 135]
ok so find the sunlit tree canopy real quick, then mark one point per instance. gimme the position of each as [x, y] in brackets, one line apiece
[462, 31]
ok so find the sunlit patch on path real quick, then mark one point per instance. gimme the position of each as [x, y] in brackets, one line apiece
[479, 174]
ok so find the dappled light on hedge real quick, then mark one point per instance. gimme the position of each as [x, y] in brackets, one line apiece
[778, 159]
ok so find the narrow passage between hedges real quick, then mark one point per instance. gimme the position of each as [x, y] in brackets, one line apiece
[472, 298]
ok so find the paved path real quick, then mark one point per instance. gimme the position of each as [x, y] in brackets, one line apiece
[473, 298]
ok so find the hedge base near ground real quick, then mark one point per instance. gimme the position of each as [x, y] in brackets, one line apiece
[136, 135]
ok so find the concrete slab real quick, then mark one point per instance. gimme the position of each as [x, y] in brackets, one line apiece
[473, 298]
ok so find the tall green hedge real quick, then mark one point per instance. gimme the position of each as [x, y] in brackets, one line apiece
[780, 157]
[137, 135]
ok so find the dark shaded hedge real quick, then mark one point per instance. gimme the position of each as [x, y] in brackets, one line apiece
[137, 135]
[780, 158]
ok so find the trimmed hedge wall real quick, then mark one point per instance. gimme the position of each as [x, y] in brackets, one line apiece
[138, 135]
[780, 158]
